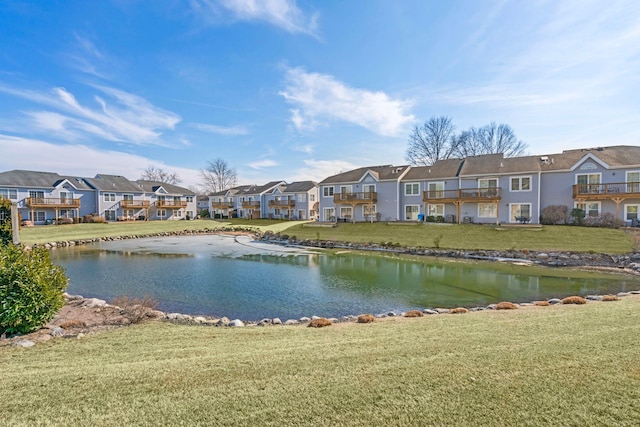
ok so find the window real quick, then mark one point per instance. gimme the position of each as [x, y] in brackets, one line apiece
[435, 210]
[302, 197]
[189, 214]
[36, 196]
[328, 214]
[345, 189]
[162, 213]
[487, 210]
[436, 190]
[412, 189]
[66, 213]
[346, 212]
[327, 191]
[189, 199]
[179, 213]
[161, 198]
[411, 212]
[521, 183]
[369, 188]
[312, 197]
[276, 211]
[110, 215]
[633, 182]
[519, 210]
[368, 210]
[127, 197]
[176, 200]
[109, 197]
[631, 212]
[488, 187]
[8, 194]
[589, 208]
[588, 183]
[38, 216]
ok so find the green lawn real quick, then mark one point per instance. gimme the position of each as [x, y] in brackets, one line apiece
[473, 236]
[54, 233]
[561, 365]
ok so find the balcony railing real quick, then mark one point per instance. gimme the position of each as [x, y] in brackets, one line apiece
[463, 194]
[135, 204]
[250, 205]
[171, 204]
[356, 198]
[606, 191]
[49, 202]
[282, 203]
[222, 205]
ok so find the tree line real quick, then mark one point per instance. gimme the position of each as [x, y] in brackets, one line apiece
[216, 176]
[436, 139]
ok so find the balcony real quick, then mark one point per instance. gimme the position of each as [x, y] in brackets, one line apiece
[616, 190]
[222, 205]
[355, 198]
[135, 204]
[250, 205]
[171, 204]
[47, 202]
[282, 203]
[463, 195]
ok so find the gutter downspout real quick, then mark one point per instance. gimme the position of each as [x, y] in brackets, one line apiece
[398, 193]
[539, 191]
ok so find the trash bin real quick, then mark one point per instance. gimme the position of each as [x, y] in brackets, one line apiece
[421, 217]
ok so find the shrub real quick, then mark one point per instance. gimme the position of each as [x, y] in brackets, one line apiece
[204, 213]
[440, 218]
[6, 232]
[430, 218]
[610, 298]
[555, 214]
[414, 313]
[542, 303]
[577, 216]
[95, 218]
[366, 318]
[606, 220]
[73, 323]
[574, 300]
[505, 305]
[459, 310]
[320, 323]
[31, 289]
[136, 309]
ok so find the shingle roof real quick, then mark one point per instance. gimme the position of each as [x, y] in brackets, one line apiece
[381, 173]
[447, 168]
[36, 179]
[299, 187]
[117, 183]
[490, 164]
[152, 186]
[614, 156]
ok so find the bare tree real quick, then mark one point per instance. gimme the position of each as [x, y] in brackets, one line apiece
[218, 176]
[433, 141]
[502, 139]
[152, 173]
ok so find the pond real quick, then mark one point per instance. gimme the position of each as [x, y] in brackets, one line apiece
[233, 276]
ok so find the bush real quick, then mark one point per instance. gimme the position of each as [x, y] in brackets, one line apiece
[459, 310]
[366, 318]
[577, 216]
[31, 289]
[204, 213]
[414, 313]
[136, 309]
[555, 214]
[320, 323]
[542, 303]
[506, 305]
[574, 300]
[93, 219]
[607, 220]
[6, 232]
[610, 298]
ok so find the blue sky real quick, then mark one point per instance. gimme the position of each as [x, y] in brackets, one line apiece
[302, 90]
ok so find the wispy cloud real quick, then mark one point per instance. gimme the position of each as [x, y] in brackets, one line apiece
[86, 57]
[81, 160]
[284, 14]
[220, 130]
[261, 164]
[118, 116]
[319, 97]
[317, 170]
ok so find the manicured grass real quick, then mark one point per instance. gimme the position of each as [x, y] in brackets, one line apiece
[54, 233]
[473, 236]
[560, 365]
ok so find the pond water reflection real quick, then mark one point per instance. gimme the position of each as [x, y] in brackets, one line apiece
[237, 278]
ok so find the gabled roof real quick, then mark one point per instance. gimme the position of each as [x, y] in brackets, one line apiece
[381, 173]
[154, 186]
[36, 179]
[255, 190]
[117, 183]
[299, 187]
[447, 168]
[495, 164]
[614, 157]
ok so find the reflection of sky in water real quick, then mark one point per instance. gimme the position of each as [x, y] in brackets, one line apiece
[236, 277]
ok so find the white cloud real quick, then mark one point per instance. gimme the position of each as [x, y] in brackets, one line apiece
[220, 130]
[80, 160]
[320, 97]
[283, 14]
[261, 164]
[120, 117]
[305, 148]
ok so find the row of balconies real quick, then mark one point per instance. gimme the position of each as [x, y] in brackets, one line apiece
[68, 202]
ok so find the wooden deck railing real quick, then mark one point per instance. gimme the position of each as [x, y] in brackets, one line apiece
[250, 204]
[50, 202]
[282, 203]
[171, 204]
[463, 194]
[135, 204]
[356, 198]
[222, 205]
[604, 191]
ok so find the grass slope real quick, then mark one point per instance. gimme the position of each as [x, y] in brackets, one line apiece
[561, 365]
[473, 236]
